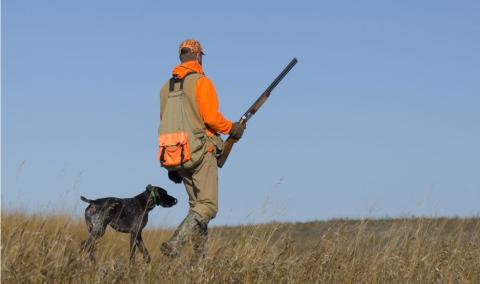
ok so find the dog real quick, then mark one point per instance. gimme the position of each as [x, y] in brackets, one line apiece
[126, 215]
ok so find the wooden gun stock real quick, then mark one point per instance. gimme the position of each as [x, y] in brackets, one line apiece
[226, 151]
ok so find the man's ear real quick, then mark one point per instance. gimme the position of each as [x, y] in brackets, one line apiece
[199, 58]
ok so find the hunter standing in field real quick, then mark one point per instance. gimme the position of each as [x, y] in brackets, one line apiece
[189, 144]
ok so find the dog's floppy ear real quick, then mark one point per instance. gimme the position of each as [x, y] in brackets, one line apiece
[149, 187]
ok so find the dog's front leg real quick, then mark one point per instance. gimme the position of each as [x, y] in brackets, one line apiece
[143, 249]
[133, 246]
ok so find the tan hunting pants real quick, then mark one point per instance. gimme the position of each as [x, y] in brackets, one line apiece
[201, 184]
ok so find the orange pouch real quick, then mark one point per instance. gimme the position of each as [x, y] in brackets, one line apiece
[173, 149]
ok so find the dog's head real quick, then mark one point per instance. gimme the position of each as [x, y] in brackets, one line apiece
[160, 196]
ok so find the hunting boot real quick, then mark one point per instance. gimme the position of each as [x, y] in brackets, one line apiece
[199, 241]
[189, 226]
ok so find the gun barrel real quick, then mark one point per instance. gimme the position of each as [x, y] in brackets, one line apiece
[253, 109]
[259, 102]
[281, 75]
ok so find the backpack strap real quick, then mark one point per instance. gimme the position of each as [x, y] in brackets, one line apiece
[174, 80]
[183, 79]
[171, 84]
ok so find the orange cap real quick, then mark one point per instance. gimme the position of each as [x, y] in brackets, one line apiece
[193, 44]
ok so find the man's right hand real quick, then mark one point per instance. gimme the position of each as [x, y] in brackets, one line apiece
[174, 176]
[237, 130]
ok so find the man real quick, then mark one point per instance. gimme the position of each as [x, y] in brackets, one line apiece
[201, 182]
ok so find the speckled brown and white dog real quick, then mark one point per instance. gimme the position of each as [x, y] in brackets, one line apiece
[126, 215]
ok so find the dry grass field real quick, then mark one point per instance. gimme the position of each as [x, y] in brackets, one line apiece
[45, 249]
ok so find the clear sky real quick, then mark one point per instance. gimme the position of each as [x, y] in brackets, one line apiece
[380, 117]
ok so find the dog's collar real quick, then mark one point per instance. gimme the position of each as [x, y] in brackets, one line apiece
[153, 197]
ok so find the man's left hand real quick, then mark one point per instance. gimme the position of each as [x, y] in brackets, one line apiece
[174, 176]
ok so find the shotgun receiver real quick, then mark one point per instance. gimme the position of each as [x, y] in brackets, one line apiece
[252, 110]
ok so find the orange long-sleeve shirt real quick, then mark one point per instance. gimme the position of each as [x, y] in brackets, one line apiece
[207, 100]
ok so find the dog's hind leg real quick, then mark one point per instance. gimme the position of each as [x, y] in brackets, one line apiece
[96, 228]
[88, 246]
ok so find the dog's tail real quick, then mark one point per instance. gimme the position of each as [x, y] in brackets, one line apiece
[85, 199]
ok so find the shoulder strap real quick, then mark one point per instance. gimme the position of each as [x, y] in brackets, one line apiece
[171, 84]
[174, 80]
[183, 79]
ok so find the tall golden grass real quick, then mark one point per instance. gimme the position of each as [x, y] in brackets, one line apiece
[41, 248]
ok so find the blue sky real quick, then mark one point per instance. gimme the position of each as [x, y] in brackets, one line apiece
[380, 117]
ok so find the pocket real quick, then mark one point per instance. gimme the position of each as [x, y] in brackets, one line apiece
[173, 149]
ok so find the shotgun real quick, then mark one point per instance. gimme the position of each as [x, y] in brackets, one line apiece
[252, 110]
